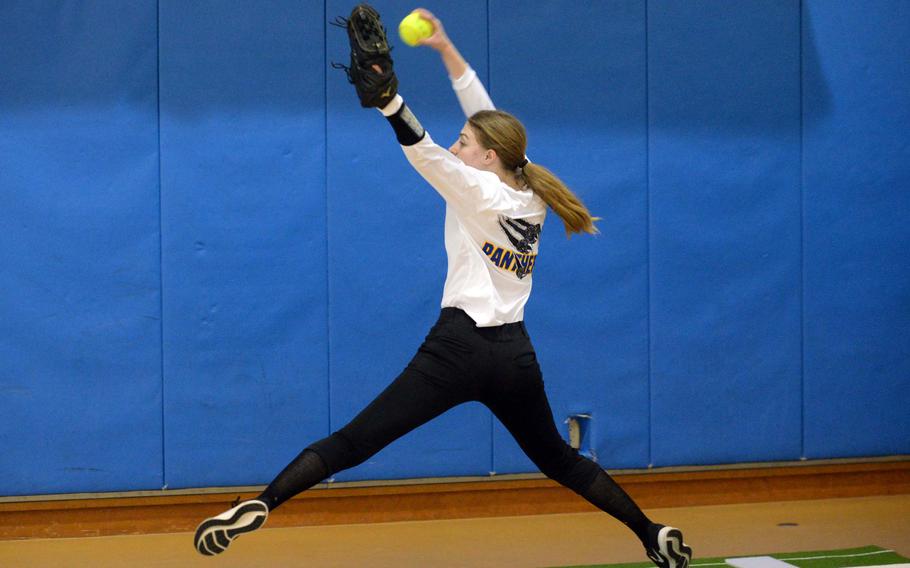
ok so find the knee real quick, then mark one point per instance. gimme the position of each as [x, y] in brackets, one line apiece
[340, 452]
[569, 468]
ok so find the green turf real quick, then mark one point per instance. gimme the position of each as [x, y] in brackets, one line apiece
[865, 556]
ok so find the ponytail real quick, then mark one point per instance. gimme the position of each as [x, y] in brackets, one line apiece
[575, 216]
[504, 133]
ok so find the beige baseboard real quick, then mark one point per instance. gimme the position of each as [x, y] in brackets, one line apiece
[172, 511]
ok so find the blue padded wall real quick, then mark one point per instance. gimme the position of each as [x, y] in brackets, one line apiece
[243, 226]
[857, 241]
[386, 256]
[80, 350]
[724, 126]
[211, 256]
[588, 313]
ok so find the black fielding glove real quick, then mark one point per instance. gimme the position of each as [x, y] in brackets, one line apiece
[369, 51]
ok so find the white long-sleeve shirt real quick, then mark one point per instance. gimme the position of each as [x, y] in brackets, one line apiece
[491, 230]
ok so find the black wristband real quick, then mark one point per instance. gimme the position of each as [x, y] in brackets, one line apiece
[406, 126]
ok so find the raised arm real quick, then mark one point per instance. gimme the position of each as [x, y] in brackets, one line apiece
[471, 93]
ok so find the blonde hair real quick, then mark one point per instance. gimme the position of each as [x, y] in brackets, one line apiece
[500, 131]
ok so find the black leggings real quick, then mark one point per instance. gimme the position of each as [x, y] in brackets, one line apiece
[459, 362]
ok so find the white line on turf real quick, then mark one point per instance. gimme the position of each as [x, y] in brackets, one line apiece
[699, 565]
[842, 555]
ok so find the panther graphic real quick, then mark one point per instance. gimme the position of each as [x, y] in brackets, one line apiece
[520, 233]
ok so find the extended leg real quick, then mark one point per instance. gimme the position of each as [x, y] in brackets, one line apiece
[411, 400]
[532, 426]
[521, 405]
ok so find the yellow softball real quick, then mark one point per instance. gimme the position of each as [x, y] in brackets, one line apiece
[414, 28]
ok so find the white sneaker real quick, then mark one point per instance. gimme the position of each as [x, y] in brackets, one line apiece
[215, 534]
[666, 548]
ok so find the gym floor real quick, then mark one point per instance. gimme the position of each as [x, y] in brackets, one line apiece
[503, 542]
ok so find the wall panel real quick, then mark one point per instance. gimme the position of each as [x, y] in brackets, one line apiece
[857, 203]
[80, 349]
[244, 254]
[724, 149]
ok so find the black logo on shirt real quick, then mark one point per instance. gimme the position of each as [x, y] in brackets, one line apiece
[521, 234]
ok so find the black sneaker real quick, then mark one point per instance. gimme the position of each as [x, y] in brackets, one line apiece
[665, 547]
[215, 534]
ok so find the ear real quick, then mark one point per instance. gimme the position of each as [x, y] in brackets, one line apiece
[489, 156]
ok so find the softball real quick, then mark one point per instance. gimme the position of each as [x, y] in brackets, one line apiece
[414, 28]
